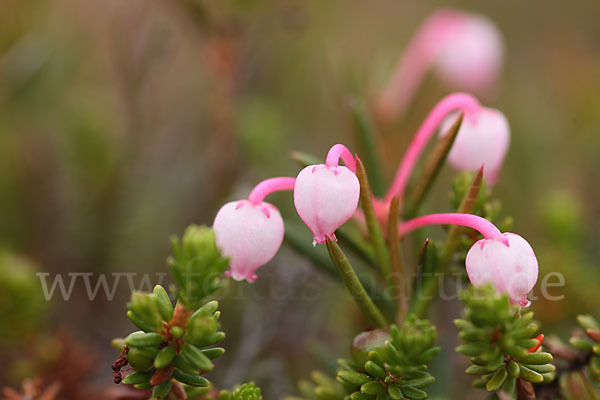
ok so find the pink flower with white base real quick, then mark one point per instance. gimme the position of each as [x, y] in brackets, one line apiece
[483, 140]
[511, 269]
[250, 232]
[504, 260]
[326, 195]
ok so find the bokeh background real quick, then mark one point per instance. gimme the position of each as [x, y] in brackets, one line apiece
[122, 122]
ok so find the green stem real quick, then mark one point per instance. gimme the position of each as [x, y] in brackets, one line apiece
[397, 265]
[353, 284]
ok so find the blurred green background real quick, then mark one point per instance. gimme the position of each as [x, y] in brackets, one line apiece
[122, 122]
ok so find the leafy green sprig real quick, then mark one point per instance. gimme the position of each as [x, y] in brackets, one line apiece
[501, 343]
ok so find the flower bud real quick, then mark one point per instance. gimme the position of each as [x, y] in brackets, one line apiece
[249, 234]
[325, 197]
[512, 269]
[482, 139]
[472, 53]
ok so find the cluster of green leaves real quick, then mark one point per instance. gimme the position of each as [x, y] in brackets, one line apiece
[173, 347]
[247, 391]
[500, 342]
[589, 344]
[196, 265]
[170, 347]
[386, 364]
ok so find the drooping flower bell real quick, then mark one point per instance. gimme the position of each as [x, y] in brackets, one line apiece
[466, 50]
[471, 52]
[504, 260]
[326, 195]
[483, 139]
[250, 232]
[511, 267]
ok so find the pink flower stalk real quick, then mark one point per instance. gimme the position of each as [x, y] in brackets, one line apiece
[504, 260]
[484, 142]
[326, 195]
[455, 102]
[250, 232]
[466, 50]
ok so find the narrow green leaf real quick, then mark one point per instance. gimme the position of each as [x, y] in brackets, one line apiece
[143, 339]
[164, 357]
[161, 391]
[497, 380]
[530, 375]
[137, 378]
[190, 379]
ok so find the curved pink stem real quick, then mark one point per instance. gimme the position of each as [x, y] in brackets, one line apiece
[415, 61]
[340, 151]
[482, 225]
[457, 101]
[266, 187]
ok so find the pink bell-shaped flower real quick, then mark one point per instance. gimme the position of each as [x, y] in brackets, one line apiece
[326, 197]
[249, 234]
[511, 268]
[483, 139]
[471, 52]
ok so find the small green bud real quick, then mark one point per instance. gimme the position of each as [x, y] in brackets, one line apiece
[163, 303]
[366, 342]
[143, 306]
[514, 369]
[118, 343]
[177, 332]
